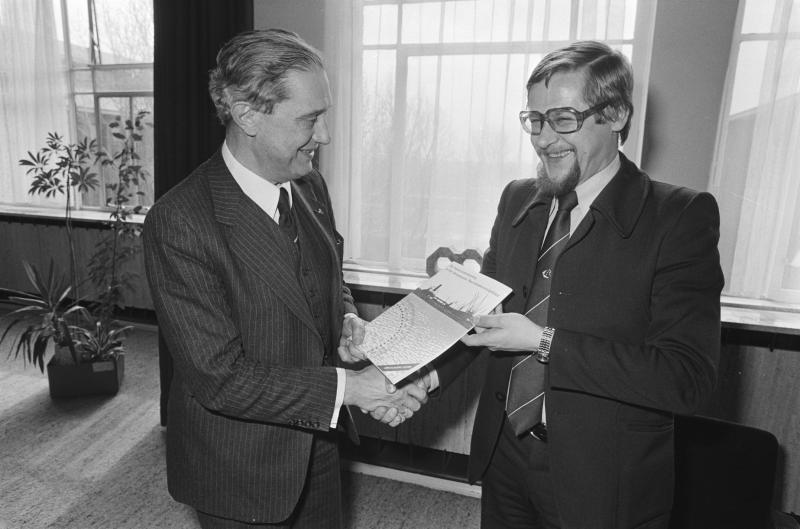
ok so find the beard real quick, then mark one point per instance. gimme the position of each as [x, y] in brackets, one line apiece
[558, 187]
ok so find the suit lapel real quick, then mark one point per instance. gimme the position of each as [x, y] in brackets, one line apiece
[255, 240]
[621, 203]
[305, 198]
[527, 233]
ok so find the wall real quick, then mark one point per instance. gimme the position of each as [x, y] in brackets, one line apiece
[38, 244]
[757, 386]
[691, 47]
[304, 17]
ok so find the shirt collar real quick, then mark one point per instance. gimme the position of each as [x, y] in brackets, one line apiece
[260, 190]
[588, 190]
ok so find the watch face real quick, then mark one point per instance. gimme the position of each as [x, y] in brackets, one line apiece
[543, 358]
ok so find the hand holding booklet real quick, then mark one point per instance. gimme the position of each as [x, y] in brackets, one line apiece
[425, 323]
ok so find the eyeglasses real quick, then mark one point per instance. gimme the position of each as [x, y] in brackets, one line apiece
[562, 120]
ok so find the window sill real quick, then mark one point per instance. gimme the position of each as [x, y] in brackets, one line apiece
[760, 315]
[737, 313]
[56, 216]
[367, 279]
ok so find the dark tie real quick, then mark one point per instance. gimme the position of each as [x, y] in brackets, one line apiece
[527, 382]
[285, 220]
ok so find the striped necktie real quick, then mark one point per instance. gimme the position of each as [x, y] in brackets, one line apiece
[526, 384]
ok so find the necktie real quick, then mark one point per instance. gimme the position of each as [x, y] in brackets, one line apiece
[526, 384]
[285, 220]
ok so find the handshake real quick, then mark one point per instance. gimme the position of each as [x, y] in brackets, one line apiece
[370, 390]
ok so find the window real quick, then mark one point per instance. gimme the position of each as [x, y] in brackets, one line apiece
[755, 174]
[92, 63]
[426, 101]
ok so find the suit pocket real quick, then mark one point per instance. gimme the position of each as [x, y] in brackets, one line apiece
[649, 426]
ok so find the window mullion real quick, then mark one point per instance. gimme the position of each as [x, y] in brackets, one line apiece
[397, 163]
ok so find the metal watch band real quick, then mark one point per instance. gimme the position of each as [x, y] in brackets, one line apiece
[543, 353]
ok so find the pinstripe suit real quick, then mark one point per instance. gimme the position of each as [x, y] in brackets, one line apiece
[250, 387]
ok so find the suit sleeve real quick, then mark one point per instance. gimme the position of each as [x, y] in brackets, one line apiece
[674, 367]
[195, 320]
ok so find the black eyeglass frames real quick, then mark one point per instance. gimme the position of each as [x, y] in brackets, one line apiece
[562, 120]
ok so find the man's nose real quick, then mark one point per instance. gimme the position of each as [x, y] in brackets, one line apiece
[321, 133]
[546, 137]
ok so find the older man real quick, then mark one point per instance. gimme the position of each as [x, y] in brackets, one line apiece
[244, 265]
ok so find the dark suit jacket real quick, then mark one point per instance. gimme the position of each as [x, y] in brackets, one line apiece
[250, 388]
[635, 305]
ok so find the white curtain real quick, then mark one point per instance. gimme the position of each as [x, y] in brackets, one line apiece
[424, 125]
[33, 90]
[757, 162]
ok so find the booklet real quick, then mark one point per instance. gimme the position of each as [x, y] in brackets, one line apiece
[426, 322]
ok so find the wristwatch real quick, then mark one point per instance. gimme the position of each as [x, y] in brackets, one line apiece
[543, 353]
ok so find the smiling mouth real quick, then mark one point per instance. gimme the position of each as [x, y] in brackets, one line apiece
[309, 152]
[558, 155]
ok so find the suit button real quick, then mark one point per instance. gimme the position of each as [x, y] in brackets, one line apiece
[499, 395]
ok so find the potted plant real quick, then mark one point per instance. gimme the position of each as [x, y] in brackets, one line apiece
[101, 366]
[87, 340]
[43, 317]
[86, 359]
[107, 264]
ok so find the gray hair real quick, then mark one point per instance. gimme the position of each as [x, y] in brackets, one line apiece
[252, 67]
[608, 77]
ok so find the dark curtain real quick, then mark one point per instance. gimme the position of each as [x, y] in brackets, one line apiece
[188, 34]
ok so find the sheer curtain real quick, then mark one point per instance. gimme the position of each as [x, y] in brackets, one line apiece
[34, 88]
[424, 125]
[757, 162]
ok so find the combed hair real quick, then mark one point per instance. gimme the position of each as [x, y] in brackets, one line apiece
[252, 67]
[607, 72]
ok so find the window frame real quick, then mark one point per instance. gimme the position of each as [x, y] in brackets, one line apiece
[80, 210]
[777, 294]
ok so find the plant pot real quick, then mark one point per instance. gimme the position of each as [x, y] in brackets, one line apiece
[91, 378]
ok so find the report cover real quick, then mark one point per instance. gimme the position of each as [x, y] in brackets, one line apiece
[426, 322]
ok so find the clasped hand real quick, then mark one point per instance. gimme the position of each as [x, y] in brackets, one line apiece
[370, 390]
[372, 393]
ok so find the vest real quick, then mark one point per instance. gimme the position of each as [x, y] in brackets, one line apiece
[313, 266]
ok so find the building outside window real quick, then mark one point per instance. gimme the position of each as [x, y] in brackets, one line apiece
[74, 66]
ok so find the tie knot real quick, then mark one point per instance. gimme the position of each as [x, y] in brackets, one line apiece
[567, 201]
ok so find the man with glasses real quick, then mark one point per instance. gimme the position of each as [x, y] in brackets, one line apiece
[611, 334]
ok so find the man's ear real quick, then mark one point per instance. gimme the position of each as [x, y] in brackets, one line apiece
[620, 118]
[245, 117]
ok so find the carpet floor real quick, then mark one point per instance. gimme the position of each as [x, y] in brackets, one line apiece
[98, 462]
